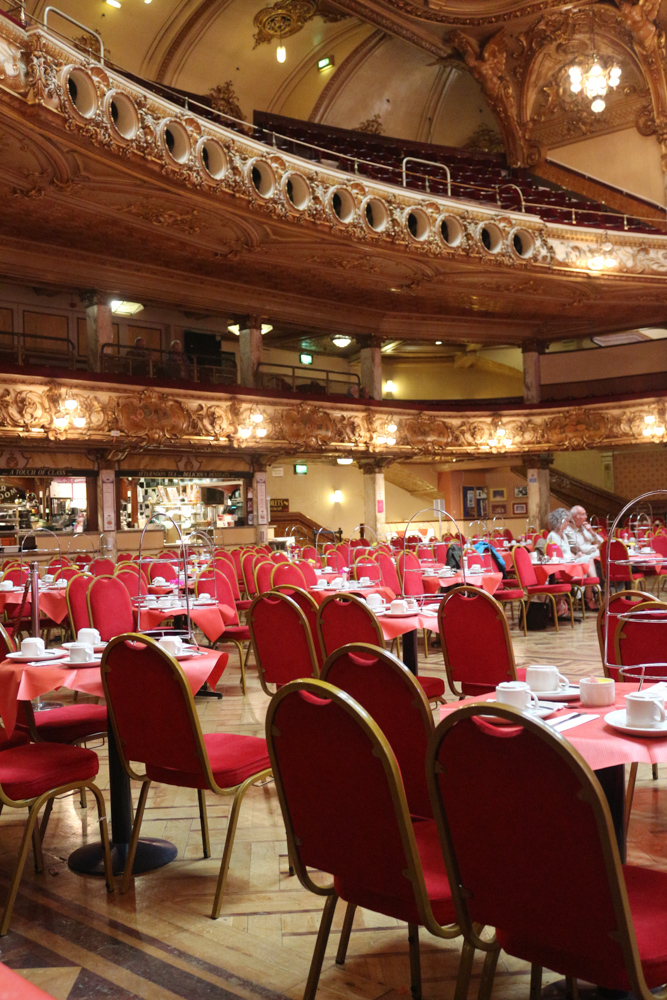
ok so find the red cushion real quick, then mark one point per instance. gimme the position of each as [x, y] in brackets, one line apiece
[238, 632]
[17, 739]
[233, 759]
[509, 594]
[435, 877]
[28, 771]
[647, 892]
[243, 605]
[550, 588]
[434, 687]
[590, 581]
[69, 723]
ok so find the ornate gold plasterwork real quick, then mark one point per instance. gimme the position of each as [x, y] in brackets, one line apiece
[485, 140]
[282, 19]
[151, 420]
[372, 125]
[224, 99]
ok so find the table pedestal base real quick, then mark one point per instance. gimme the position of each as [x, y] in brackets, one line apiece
[150, 854]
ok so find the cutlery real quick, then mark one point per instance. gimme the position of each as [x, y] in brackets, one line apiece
[554, 723]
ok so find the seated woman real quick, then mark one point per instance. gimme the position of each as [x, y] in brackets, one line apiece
[559, 521]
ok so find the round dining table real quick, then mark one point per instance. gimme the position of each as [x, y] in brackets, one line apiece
[52, 601]
[25, 681]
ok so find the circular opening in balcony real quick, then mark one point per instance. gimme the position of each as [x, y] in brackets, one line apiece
[522, 243]
[177, 140]
[342, 204]
[490, 237]
[81, 91]
[375, 214]
[417, 224]
[213, 158]
[451, 230]
[123, 114]
[262, 177]
[297, 191]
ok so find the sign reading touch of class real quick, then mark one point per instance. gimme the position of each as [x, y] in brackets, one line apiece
[279, 506]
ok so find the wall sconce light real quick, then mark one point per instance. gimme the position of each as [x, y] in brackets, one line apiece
[337, 496]
[344, 461]
[389, 388]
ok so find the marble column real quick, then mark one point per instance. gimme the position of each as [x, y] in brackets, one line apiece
[532, 389]
[371, 367]
[99, 329]
[374, 500]
[250, 350]
[539, 492]
[260, 504]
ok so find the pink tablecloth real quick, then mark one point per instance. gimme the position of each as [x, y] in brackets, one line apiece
[51, 602]
[319, 595]
[211, 619]
[393, 627]
[599, 743]
[571, 571]
[23, 682]
[489, 581]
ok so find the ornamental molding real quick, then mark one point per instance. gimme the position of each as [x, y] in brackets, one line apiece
[152, 421]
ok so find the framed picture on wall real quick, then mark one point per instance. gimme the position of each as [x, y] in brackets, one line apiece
[498, 494]
[520, 491]
[498, 508]
[469, 502]
[519, 508]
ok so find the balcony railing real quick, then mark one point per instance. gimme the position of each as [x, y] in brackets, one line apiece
[37, 350]
[157, 363]
[289, 378]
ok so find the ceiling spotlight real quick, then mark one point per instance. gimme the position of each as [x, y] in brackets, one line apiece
[113, 3]
[438, 343]
[341, 341]
[235, 328]
[118, 306]
[281, 52]
[345, 461]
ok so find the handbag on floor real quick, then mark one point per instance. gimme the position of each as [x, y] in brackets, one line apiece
[537, 616]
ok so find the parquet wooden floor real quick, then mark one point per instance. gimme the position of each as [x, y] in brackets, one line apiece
[158, 942]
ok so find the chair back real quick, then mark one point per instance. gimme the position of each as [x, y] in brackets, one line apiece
[163, 731]
[310, 553]
[336, 560]
[341, 794]
[619, 603]
[308, 605]
[475, 641]
[282, 641]
[7, 644]
[109, 607]
[642, 640]
[58, 563]
[410, 574]
[384, 686]
[236, 559]
[227, 568]
[389, 574]
[524, 568]
[248, 562]
[215, 584]
[66, 573]
[124, 557]
[263, 573]
[425, 552]
[279, 557]
[619, 566]
[102, 567]
[133, 581]
[363, 567]
[166, 569]
[554, 550]
[309, 575]
[76, 596]
[288, 573]
[16, 574]
[440, 552]
[659, 543]
[344, 618]
[488, 782]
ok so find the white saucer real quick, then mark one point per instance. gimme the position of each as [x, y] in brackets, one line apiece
[563, 694]
[80, 664]
[399, 614]
[97, 648]
[536, 713]
[48, 654]
[617, 720]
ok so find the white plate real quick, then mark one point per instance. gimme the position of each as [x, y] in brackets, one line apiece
[399, 614]
[80, 664]
[97, 649]
[617, 720]
[48, 654]
[564, 694]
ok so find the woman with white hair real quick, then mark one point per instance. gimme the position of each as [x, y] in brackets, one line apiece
[559, 520]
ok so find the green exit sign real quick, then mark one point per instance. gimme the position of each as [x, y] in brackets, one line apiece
[306, 359]
[300, 470]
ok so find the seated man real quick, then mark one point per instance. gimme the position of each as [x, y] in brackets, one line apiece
[582, 538]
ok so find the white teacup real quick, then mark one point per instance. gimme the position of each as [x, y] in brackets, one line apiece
[89, 635]
[321, 584]
[164, 602]
[597, 691]
[150, 600]
[412, 604]
[32, 646]
[398, 607]
[81, 652]
[48, 578]
[643, 711]
[172, 644]
[159, 581]
[542, 677]
[6, 585]
[374, 601]
[517, 694]
[365, 581]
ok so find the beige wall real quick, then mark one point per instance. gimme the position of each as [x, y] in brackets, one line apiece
[584, 465]
[440, 380]
[626, 159]
[607, 362]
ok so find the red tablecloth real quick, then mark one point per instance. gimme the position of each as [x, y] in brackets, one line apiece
[393, 627]
[211, 618]
[21, 682]
[51, 602]
[319, 595]
[570, 570]
[599, 743]
[489, 581]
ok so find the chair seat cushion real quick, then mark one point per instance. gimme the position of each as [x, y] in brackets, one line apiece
[590, 581]
[550, 588]
[647, 893]
[509, 594]
[239, 632]
[435, 877]
[242, 605]
[17, 739]
[69, 723]
[29, 771]
[471, 689]
[434, 687]
[233, 759]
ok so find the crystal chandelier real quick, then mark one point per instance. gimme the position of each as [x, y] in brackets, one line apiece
[595, 82]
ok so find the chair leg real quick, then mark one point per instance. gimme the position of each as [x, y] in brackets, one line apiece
[629, 794]
[345, 933]
[465, 971]
[488, 974]
[569, 598]
[104, 836]
[654, 771]
[415, 962]
[571, 988]
[37, 848]
[535, 982]
[20, 864]
[524, 609]
[203, 819]
[426, 635]
[229, 841]
[83, 802]
[134, 837]
[45, 818]
[320, 947]
[553, 605]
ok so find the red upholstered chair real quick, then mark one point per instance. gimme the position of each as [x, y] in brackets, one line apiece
[425, 552]
[602, 922]
[309, 606]
[389, 575]
[227, 568]
[363, 567]
[166, 569]
[287, 573]
[132, 579]
[56, 564]
[641, 639]
[620, 568]
[216, 584]
[528, 582]
[279, 557]
[309, 574]
[102, 567]
[263, 572]
[410, 574]
[475, 641]
[619, 603]
[163, 734]
[109, 607]
[32, 776]
[124, 557]
[344, 618]
[336, 560]
[310, 553]
[659, 544]
[248, 562]
[281, 639]
[440, 552]
[66, 573]
[346, 814]
[236, 558]
[76, 596]
[16, 574]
